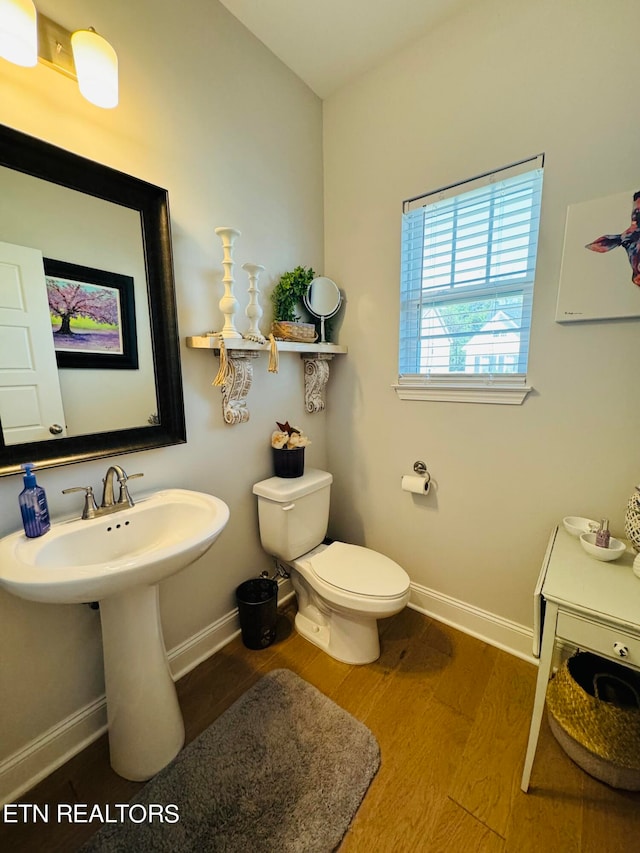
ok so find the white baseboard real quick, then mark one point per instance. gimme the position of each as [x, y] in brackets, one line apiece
[23, 769]
[506, 635]
[35, 761]
[41, 756]
[187, 655]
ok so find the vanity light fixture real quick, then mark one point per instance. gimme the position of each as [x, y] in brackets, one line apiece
[83, 55]
[96, 67]
[18, 32]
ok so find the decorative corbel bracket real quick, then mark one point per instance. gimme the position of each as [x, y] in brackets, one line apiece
[316, 376]
[237, 385]
[236, 370]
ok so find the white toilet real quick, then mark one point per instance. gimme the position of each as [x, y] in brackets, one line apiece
[342, 590]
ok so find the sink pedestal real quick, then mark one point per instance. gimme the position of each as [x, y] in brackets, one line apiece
[146, 730]
[119, 560]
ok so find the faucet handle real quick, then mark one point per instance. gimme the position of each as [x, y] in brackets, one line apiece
[90, 507]
[123, 476]
[124, 497]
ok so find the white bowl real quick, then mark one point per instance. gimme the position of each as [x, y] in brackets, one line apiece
[616, 547]
[576, 525]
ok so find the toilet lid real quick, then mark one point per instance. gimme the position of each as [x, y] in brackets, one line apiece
[360, 570]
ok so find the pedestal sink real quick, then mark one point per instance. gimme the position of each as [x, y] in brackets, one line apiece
[119, 560]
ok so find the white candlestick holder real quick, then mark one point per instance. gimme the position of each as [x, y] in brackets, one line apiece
[253, 309]
[228, 304]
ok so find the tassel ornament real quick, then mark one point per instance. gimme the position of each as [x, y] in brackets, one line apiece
[274, 358]
[221, 376]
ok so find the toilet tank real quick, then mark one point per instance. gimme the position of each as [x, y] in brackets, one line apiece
[293, 514]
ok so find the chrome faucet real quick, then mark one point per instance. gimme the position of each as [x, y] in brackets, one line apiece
[108, 503]
[108, 499]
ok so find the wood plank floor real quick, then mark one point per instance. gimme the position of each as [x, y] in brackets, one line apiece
[451, 715]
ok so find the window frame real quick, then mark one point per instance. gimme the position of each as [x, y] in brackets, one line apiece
[503, 388]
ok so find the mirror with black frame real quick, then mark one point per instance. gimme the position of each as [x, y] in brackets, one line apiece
[89, 348]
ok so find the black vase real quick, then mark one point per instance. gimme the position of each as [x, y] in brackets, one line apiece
[288, 463]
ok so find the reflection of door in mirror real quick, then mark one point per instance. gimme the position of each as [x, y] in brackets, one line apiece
[76, 228]
[30, 399]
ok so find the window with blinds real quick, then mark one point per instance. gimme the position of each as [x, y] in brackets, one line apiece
[467, 275]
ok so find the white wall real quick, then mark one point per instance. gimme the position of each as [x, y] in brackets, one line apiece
[503, 80]
[207, 112]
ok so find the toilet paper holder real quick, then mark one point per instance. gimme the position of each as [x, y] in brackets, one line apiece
[421, 469]
[419, 483]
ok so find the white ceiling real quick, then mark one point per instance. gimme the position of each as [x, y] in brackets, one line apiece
[329, 42]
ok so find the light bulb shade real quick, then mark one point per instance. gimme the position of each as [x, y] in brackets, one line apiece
[18, 32]
[97, 68]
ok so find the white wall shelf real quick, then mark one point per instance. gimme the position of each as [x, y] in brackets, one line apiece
[213, 342]
[239, 375]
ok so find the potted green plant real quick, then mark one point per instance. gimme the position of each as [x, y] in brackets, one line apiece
[286, 296]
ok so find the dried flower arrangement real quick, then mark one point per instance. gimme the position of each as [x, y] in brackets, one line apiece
[287, 437]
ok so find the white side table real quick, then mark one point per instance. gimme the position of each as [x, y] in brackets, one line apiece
[585, 602]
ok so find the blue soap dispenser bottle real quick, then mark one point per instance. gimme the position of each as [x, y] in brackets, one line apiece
[33, 505]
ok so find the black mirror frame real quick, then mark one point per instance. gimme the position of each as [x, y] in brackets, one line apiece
[42, 160]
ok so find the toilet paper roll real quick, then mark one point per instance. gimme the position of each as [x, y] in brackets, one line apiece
[416, 485]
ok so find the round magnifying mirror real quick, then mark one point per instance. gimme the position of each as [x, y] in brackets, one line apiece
[322, 300]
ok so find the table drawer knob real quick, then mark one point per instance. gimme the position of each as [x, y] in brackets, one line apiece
[621, 650]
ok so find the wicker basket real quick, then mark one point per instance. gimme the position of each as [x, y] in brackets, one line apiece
[304, 333]
[601, 735]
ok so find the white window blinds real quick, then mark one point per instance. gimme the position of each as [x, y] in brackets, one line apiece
[468, 266]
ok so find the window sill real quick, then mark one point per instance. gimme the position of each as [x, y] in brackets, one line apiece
[501, 390]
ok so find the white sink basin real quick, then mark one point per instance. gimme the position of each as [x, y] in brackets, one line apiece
[118, 560]
[88, 560]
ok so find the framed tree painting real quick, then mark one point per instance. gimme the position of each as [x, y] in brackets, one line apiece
[600, 275]
[92, 316]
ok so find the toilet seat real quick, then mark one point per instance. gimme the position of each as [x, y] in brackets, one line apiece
[359, 571]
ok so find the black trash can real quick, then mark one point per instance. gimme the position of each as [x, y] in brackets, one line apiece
[257, 602]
